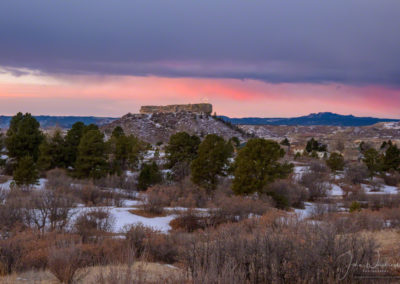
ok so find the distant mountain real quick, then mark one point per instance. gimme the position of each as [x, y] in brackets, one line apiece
[322, 118]
[47, 121]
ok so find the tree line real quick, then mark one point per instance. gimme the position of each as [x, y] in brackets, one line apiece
[83, 151]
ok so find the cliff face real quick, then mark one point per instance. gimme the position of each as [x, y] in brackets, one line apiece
[194, 108]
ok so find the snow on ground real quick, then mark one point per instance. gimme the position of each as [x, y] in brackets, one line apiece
[123, 217]
[335, 190]
[391, 125]
[131, 203]
[306, 212]
[385, 189]
[299, 171]
[41, 184]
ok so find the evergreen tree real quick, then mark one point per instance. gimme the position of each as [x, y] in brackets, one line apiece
[257, 164]
[72, 140]
[53, 152]
[23, 137]
[373, 161]
[314, 145]
[285, 142]
[125, 151]
[180, 152]
[149, 175]
[118, 132]
[91, 160]
[211, 161]
[26, 173]
[335, 162]
[391, 160]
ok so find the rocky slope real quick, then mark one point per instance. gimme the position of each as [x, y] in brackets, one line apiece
[158, 127]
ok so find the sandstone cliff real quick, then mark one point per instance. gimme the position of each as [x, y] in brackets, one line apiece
[194, 108]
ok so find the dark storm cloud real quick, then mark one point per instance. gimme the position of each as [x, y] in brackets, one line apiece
[343, 41]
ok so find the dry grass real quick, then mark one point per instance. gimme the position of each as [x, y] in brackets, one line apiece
[147, 272]
[388, 240]
[146, 214]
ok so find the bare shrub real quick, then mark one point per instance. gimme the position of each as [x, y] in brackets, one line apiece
[392, 179]
[94, 224]
[315, 180]
[356, 173]
[294, 194]
[21, 251]
[57, 179]
[12, 212]
[48, 209]
[236, 208]
[136, 236]
[117, 181]
[283, 253]
[150, 244]
[316, 185]
[183, 194]
[189, 221]
[392, 217]
[65, 261]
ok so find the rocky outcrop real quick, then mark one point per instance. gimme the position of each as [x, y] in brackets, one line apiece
[194, 108]
[159, 126]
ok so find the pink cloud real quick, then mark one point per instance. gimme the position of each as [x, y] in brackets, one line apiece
[117, 95]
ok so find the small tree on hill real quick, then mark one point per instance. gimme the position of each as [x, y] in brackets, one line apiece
[91, 161]
[285, 142]
[257, 164]
[391, 160]
[335, 162]
[373, 160]
[26, 173]
[211, 162]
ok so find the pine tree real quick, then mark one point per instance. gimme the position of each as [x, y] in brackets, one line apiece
[373, 160]
[180, 152]
[23, 137]
[149, 175]
[72, 140]
[91, 160]
[26, 173]
[53, 152]
[335, 162]
[257, 165]
[285, 142]
[125, 151]
[212, 161]
[391, 161]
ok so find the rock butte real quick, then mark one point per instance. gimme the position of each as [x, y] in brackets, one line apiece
[195, 108]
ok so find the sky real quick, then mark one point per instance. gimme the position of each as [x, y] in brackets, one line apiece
[248, 58]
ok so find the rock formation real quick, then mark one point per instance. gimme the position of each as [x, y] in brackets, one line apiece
[194, 108]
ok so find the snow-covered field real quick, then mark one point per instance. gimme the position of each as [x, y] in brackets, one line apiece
[122, 218]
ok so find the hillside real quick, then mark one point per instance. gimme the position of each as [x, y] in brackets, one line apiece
[322, 118]
[158, 127]
[47, 121]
